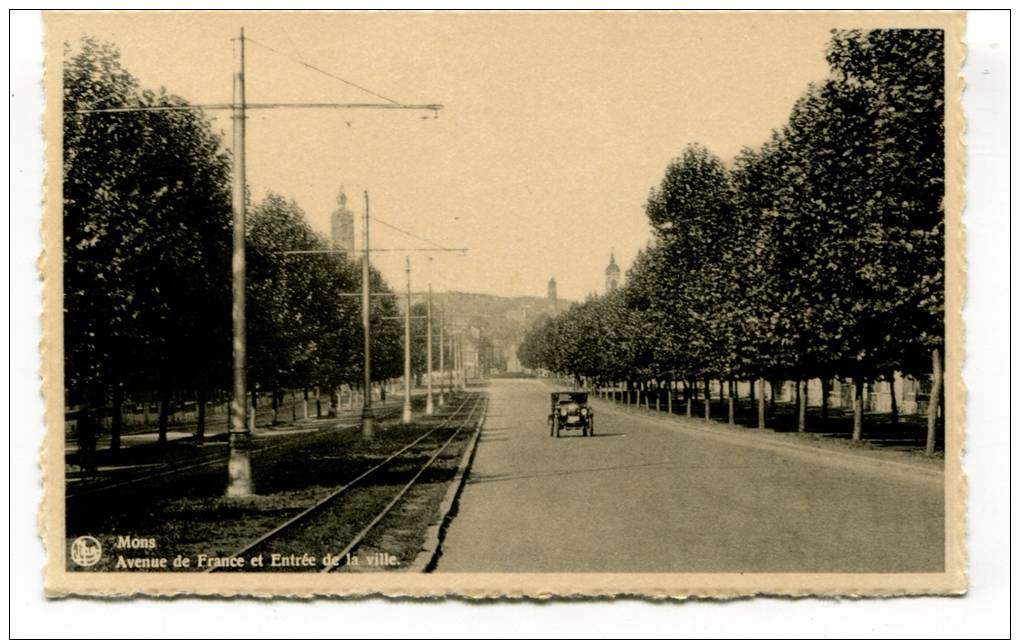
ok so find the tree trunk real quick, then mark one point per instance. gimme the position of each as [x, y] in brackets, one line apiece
[200, 421]
[826, 389]
[254, 410]
[933, 401]
[802, 405]
[276, 407]
[318, 403]
[669, 395]
[117, 419]
[164, 413]
[708, 400]
[732, 407]
[722, 398]
[895, 417]
[858, 382]
[772, 397]
[689, 394]
[753, 403]
[145, 409]
[334, 401]
[761, 403]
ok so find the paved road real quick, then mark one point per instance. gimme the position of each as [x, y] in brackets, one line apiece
[649, 495]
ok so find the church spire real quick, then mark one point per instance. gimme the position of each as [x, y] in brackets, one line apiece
[612, 273]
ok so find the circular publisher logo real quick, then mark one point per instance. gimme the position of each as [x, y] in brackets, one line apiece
[86, 551]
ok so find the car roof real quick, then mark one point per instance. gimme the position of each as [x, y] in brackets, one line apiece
[570, 395]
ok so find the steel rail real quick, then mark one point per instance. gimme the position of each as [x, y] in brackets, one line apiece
[326, 500]
[360, 537]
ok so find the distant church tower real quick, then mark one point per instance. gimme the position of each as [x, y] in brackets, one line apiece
[552, 293]
[612, 274]
[342, 225]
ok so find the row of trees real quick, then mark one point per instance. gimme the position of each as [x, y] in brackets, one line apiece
[147, 251]
[819, 254]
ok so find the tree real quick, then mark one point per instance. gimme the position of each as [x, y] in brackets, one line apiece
[419, 344]
[146, 238]
[147, 248]
[901, 73]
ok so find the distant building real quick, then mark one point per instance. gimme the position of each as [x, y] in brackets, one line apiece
[612, 274]
[551, 294]
[342, 225]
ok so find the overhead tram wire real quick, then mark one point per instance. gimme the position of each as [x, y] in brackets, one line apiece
[389, 103]
[295, 252]
[320, 70]
[413, 235]
[259, 105]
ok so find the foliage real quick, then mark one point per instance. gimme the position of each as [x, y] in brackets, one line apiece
[819, 254]
[147, 264]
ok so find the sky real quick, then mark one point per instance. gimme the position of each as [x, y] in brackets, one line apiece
[554, 126]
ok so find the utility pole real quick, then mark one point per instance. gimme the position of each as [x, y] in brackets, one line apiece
[429, 407]
[241, 420]
[367, 417]
[406, 417]
[442, 352]
[239, 478]
[458, 361]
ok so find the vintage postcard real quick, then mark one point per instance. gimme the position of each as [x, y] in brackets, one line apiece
[504, 304]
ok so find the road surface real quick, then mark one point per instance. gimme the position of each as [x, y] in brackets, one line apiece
[648, 494]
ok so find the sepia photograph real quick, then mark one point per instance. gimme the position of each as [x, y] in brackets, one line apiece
[521, 303]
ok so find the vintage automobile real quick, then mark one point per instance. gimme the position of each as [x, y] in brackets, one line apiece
[570, 410]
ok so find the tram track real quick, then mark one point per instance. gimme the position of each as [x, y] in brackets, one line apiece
[291, 537]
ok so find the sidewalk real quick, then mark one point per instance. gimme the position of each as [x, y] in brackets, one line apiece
[809, 443]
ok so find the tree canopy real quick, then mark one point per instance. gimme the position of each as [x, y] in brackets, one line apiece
[147, 240]
[818, 254]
